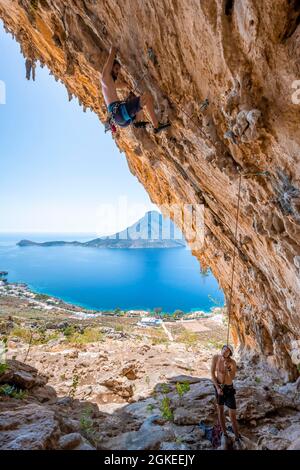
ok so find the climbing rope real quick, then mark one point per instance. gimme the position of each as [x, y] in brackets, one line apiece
[191, 119]
[234, 256]
[260, 173]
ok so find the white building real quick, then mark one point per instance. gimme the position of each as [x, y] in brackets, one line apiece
[150, 321]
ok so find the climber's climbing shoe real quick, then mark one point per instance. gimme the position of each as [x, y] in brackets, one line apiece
[161, 127]
[140, 124]
[231, 136]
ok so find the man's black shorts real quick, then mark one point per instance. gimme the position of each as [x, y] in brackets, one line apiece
[228, 397]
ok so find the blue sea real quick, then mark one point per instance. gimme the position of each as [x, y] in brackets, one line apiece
[109, 278]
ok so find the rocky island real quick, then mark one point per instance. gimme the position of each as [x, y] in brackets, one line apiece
[151, 231]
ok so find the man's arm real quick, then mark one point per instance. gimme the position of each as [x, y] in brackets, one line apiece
[106, 73]
[213, 374]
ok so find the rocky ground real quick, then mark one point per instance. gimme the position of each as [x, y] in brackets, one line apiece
[225, 73]
[108, 384]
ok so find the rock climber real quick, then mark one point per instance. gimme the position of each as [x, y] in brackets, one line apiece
[223, 371]
[123, 113]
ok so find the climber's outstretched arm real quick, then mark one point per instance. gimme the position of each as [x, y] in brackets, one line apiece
[106, 73]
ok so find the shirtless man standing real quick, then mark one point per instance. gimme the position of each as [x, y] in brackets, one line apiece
[223, 371]
[124, 113]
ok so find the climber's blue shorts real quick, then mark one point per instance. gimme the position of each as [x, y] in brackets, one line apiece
[123, 112]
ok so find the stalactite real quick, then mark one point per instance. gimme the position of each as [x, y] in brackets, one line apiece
[28, 65]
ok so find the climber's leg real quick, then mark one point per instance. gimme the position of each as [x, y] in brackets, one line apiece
[148, 102]
[232, 414]
[221, 417]
[140, 116]
[139, 121]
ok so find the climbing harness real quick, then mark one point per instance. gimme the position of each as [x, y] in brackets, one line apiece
[114, 109]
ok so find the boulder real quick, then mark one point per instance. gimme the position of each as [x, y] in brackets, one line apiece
[84, 445]
[69, 425]
[143, 439]
[184, 417]
[130, 370]
[273, 443]
[173, 446]
[62, 325]
[255, 402]
[44, 394]
[295, 445]
[184, 379]
[292, 433]
[119, 387]
[70, 441]
[22, 375]
[64, 401]
[30, 427]
[195, 405]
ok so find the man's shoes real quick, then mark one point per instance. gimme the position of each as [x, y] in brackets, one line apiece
[140, 124]
[161, 127]
[224, 441]
[238, 443]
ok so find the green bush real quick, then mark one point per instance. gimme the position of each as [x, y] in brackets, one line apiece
[182, 388]
[3, 368]
[165, 388]
[150, 407]
[159, 340]
[87, 426]
[69, 331]
[215, 344]
[119, 328]
[42, 297]
[165, 409]
[189, 338]
[22, 333]
[12, 391]
[90, 335]
[74, 386]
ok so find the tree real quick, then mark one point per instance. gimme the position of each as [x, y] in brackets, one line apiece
[178, 314]
[157, 310]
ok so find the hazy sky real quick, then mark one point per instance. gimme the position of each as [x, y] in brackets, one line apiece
[58, 170]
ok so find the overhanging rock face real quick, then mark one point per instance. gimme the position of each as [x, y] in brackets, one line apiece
[244, 56]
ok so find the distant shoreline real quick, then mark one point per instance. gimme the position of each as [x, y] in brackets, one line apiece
[109, 243]
[49, 302]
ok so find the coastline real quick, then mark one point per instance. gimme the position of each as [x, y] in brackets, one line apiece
[48, 302]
